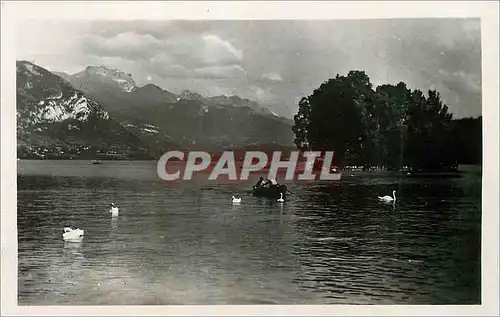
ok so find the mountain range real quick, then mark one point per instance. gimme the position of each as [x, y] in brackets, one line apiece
[101, 112]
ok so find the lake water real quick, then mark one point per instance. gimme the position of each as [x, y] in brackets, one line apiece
[327, 244]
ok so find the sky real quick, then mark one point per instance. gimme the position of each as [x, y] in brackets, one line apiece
[275, 63]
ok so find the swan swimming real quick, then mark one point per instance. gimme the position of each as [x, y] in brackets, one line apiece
[70, 234]
[236, 200]
[281, 198]
[113, 210]
[389, 198]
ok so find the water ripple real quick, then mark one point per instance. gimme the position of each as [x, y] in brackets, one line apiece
[328, 244]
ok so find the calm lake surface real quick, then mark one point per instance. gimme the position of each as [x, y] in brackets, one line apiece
[329, 243]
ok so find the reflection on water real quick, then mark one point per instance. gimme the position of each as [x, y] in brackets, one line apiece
[326, 244]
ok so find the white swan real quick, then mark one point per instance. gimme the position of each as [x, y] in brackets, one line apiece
[113, 210]
[389, 198]
[236, 200]
[70, 234]
[281, 198]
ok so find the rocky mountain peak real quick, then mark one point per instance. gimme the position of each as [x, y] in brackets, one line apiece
[190, 95]
[122, 79]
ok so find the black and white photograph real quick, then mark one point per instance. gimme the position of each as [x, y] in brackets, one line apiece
[249, 161]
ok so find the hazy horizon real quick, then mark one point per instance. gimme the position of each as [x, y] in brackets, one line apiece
[274, 63]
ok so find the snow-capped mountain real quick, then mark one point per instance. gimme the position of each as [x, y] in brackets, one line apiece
[148, 115]
[45, 98]
[225, 101]
[52, 114]
[119, 92]
[108, 88]
[235, 101]
[57, 109]
[188, 116]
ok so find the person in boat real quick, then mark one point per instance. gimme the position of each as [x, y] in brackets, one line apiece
[260, 183]
[266, 183]
[273, 181]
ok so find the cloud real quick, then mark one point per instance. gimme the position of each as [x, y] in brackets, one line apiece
[191, 50]
[216, 50]
[162, 30]
[216, 72]
[245, 57]
[128, 45]
[201, 50]
[274, 77]
[263, 94]
[461, 81]
[231, 71]
[259, 92]
[172, 71]
[205, 55]
[164, 66]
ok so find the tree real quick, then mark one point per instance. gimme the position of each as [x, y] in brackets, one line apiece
[302, 121]
[391, 106]
[467, 140]
[333, 117]
[428, 132]
[390, 126]
[336, 119]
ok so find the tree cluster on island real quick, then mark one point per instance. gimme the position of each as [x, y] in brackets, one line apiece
[390, 126]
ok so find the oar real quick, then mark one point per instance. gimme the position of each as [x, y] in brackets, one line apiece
[289, 191]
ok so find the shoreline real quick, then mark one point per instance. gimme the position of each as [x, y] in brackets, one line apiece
[461, 170]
